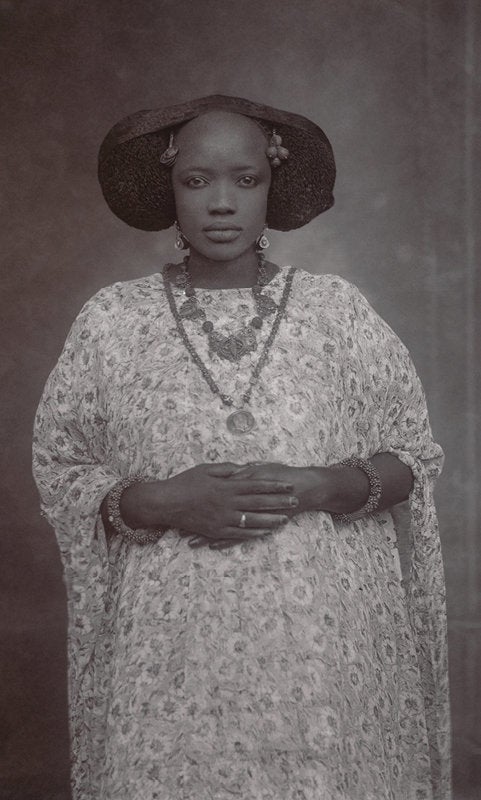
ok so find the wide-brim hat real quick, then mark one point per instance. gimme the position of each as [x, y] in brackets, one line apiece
[138, 187]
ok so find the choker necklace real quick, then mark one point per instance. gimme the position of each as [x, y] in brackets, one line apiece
[235, 345]
[240, 421]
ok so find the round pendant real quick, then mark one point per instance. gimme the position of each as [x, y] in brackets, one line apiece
[240, 422]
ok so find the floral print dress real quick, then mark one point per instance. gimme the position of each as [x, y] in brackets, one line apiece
[308, 664]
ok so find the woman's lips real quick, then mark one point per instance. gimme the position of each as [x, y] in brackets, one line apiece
[222, 234]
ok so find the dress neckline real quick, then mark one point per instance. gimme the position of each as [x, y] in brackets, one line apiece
[274, 281]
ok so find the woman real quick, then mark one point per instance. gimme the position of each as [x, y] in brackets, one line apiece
[221, 450]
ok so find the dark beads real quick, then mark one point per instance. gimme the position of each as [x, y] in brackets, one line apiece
[275, 152]
[256, 322]
[207, 326]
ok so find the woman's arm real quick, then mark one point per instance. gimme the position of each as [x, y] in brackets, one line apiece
[345, 489]
[203, 500]
[68, 443]
[338, 489]
[210, 498]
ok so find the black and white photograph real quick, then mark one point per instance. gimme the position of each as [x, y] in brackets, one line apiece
[240, 556]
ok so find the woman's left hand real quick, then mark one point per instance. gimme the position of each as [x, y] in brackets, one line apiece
[303, 479]
[307, 483]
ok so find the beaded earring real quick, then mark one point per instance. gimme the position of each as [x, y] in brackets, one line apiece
[262, 242]
[275, 152]
[169, 155]
[181, 243]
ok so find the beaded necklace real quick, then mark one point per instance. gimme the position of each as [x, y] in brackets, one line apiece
[242, 420]
[235, 345]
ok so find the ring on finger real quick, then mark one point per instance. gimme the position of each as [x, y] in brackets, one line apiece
[242, 522]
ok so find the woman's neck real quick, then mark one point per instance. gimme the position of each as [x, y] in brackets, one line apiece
[238, 273]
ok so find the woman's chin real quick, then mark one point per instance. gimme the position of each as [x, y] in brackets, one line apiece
[222, 250]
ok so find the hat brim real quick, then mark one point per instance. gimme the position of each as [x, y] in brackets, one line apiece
[138, 189]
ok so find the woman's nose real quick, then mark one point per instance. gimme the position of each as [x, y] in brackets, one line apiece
[221, 201]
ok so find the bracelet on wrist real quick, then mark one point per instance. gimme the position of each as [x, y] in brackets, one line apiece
[137, 535]
[375, 489]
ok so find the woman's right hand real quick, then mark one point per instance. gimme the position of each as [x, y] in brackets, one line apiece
[203, 501]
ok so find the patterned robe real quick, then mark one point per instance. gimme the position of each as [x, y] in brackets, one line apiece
[306, 664]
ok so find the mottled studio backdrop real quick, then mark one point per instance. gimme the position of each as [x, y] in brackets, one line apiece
[396, 87]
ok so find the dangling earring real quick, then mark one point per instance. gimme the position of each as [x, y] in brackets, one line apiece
[167, 158]
[181, 243]
[262, 241]
[275, 152]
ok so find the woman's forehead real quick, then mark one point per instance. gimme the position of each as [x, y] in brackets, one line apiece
[221, 130]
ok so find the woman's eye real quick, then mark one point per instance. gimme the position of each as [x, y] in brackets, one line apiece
[248, 180]
[196, 182]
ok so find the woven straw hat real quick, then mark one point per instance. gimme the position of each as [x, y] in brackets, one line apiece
[138, 188]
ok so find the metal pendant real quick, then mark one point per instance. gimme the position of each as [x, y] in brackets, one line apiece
[233, 347]
[265, 305]
[190, 310]
[240, 422]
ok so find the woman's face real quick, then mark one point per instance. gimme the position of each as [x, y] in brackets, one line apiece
[221, 179]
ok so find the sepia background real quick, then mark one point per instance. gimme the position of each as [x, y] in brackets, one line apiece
[396, 86]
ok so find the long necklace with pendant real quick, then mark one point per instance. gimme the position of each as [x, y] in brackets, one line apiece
[242, 420]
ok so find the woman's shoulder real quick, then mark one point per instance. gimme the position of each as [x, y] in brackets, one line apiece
[117, 309]
[327, 294]
[125, 292]
[335, 299]
[317, 283]
[121, 297]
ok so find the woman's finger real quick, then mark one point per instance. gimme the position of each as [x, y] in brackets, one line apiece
[198, 541]
[223, 544]
[236, 533]
[254, 468]
[263, 486]
[224, 470]
[228, 534]
[249, 526]
[254, 521]
[268, 502]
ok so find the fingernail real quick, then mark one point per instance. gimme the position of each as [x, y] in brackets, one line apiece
[293, 501]
[196, 542]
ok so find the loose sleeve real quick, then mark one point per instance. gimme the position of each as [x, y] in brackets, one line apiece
[402, 427]
[73, 475]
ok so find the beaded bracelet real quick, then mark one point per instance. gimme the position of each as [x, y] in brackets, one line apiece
[375, 489]
[137, 535]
